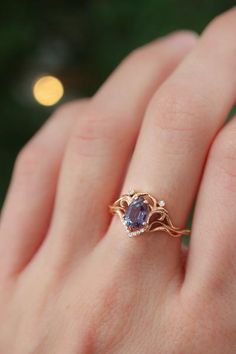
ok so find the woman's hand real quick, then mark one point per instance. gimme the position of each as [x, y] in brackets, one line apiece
[71, 281]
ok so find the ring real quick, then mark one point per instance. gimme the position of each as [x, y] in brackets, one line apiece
[141, 212]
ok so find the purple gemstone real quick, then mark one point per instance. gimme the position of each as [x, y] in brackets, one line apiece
[136, 213]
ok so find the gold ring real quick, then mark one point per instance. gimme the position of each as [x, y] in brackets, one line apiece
[141, 212]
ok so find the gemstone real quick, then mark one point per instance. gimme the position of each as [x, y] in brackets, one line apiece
[136, 213]
[162, 203]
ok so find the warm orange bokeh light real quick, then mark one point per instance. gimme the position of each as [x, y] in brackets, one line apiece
[48, 90]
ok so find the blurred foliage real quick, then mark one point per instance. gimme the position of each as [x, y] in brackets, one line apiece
[80, 42]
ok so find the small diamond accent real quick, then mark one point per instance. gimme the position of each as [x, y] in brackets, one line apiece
[131, 192]
[162, 203]
[135, 233]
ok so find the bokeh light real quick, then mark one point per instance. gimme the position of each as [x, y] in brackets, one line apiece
[48, 90]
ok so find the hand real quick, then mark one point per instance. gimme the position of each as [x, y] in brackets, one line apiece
[71, 281]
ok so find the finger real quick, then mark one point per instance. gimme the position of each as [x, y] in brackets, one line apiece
[180, 123]
[26, 214]
[102, 143]
[212, 256]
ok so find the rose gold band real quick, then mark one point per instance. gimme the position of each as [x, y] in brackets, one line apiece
[141, 212]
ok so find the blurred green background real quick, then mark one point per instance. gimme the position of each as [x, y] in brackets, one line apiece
[80, 42]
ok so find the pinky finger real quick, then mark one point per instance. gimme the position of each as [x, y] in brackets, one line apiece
[28, 206]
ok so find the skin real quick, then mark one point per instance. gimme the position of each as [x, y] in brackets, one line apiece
[71, 281]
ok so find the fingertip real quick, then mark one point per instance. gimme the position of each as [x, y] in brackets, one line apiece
[183, 38]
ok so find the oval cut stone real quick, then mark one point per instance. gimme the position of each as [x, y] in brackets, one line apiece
[136, 213]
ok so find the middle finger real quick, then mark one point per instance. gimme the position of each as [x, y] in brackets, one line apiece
[102, 142]
[178, 128]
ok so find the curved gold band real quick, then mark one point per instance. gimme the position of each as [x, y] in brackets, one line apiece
[141, 212]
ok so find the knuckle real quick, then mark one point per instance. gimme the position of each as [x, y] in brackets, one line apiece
[180, 108]
[29, 159]
[94, 135]
[175, 115]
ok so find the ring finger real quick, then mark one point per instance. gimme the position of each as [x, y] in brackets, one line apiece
[180, 123]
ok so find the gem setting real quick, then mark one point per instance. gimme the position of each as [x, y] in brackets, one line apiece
[140, 212]
[136, 215]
